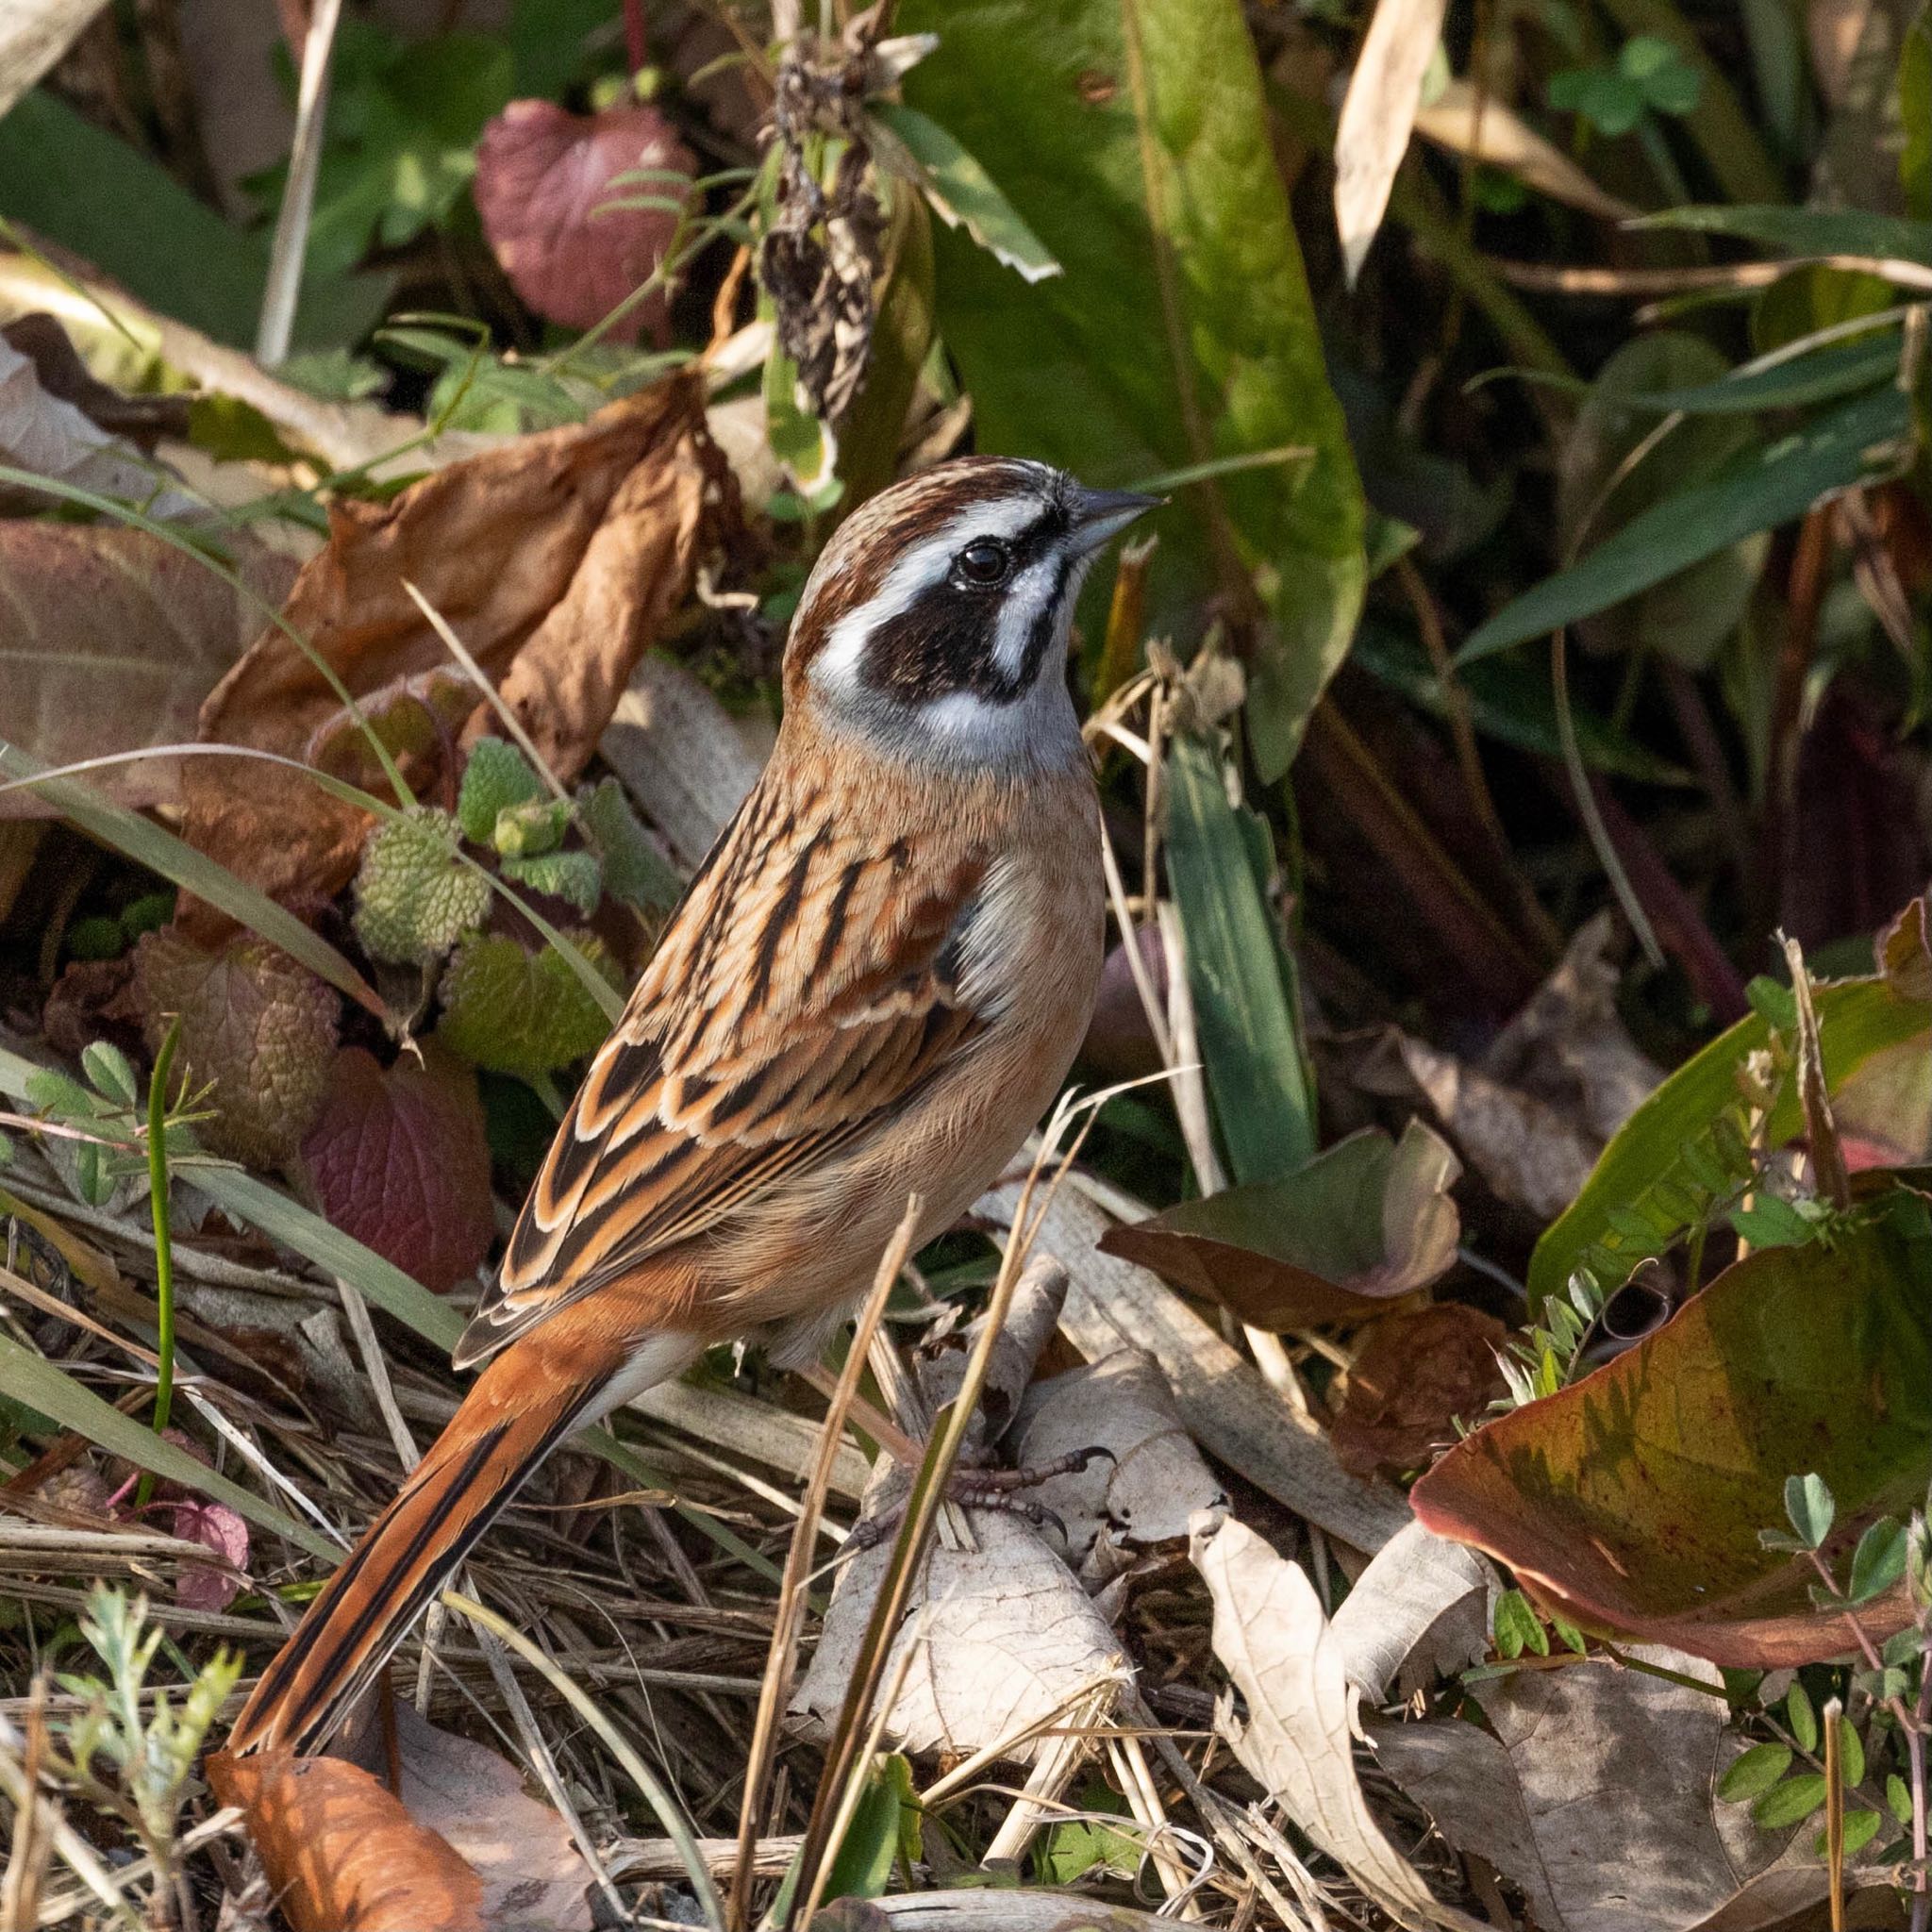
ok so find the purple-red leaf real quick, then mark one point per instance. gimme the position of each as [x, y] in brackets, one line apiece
[546, 180]
[398, 1158]
[209, 1586]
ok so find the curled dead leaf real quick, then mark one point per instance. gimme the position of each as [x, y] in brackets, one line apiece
[342, 1852]
[1366, 1222]
[1416, 1375]
[557, 559]
[1271, 1633]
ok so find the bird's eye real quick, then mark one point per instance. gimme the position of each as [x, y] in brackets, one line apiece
[982, 563]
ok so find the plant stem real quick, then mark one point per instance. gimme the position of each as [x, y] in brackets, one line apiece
[164, 1246]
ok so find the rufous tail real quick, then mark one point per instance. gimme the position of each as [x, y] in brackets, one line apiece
[511, 1419]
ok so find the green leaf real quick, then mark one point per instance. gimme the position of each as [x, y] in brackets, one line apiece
[1133, 139]
[962, 193]
[1509, 700]
[1801, 1717]
[1081, 1845]
[1754, 1772]
[1519, 1627]
[1861, 1827]
[76, 184]
[1790, 1803]
[1857, 1018]
[1806, 230]
[1365, 1222]
[1612, 103]
[1822, 377]
[1634, 1495]
[1669, 83]
[1768, 486]
[1810, 1509]
[109, 1071]
[1237, 974]
[862, 1865]
[1851, 1755]
[1879, 1561]
[1898, 1798]
[1915, 117]
[1771, 1221]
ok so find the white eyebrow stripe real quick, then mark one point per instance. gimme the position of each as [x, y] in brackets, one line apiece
[836, 663]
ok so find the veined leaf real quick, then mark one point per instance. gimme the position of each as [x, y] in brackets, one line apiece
[1762, 488]
[1661, 1143]
[963, 193]
[1806, 230]
[1131, 136]
[1632, 1500]
[1237, 972]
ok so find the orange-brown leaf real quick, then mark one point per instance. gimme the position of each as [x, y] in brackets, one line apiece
[556, 558]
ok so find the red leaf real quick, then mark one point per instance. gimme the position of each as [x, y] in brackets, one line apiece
[1415, 1375]
[205, 1586]
[398, 1158]
[543, 188]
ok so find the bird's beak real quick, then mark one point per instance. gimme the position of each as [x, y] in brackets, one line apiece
[1098, 514]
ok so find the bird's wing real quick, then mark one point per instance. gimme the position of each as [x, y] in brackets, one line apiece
[806, 987]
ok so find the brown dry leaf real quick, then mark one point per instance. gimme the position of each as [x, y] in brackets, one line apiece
[556, 559]
[1271, 1633]
[463, 1848]
[534, 1878]
[1377, 112]
[342, 1852]
[1558, 1080]
[114, 640]
[1416, 1374]
[1594, 1797]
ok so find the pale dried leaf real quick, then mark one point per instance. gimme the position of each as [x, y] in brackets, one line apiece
[534, 1877]
[1228, 1409]
[556, 561]
[1270, 1632]
[1372, 136]
[1000, 1638]
[1414, 1583]
[1153, 1480]
[1594, 1797]
[1486, 129]
[33, 36]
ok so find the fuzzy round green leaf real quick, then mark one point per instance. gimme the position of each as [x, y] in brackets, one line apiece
[1879, 1561]
[573, 877]
[415, 898]
[516, 1011]
[497, 777]
[1754, 1772]
[1809, 1508]
[1802, 1718]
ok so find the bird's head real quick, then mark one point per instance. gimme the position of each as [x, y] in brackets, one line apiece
[934, 626]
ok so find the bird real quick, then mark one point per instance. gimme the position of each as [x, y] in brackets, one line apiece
[874, 985]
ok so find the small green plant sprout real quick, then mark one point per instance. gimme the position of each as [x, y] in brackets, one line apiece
[95, 1133]
[1789, 1779]
[130, 1752]
[1518, 1626]
[1649, 76]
